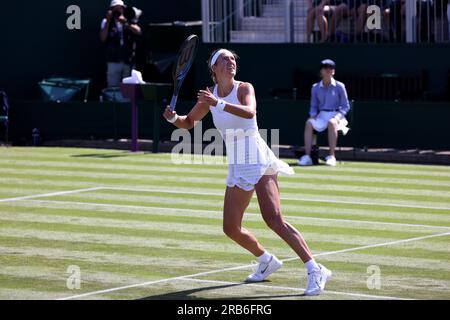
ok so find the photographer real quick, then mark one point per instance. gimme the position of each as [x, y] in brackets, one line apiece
[119, 31]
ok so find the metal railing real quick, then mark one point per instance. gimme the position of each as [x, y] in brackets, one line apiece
[372, 21]
[221, 17]
[388, 21]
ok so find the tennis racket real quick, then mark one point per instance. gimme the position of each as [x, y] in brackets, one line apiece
[185, 58]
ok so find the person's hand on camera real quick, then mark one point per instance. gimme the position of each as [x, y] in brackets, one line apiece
[109, 15]
[122, 19]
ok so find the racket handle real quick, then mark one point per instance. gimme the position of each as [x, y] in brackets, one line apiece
[173, 102]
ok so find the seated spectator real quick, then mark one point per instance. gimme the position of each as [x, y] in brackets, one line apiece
[317, 10]
[425, 20]
[329, 105]
[312, 6]
[340, 10]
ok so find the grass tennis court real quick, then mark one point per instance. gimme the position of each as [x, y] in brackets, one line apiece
[138, 226]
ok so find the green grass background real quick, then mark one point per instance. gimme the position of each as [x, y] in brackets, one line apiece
[171, 226]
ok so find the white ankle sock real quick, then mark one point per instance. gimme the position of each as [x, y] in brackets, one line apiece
[265, 257]
[311, 265]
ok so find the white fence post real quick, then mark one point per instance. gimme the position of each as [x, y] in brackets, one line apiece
[205, 21]
[448, 17]
[239, 13]
[411, 21]
[288, 20]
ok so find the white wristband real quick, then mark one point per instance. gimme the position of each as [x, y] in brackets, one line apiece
[173, 119]
[220, 104]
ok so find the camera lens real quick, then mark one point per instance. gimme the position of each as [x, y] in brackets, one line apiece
[116, 14]
[129, 13]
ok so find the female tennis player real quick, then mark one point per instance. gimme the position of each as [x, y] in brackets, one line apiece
[252, 166]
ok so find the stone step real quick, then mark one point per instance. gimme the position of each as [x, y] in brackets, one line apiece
[270, 24]
[274, 10]
[263, 37]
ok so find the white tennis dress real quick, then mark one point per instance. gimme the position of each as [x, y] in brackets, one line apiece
[249, 157]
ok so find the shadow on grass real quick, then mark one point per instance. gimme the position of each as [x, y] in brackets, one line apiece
[296, 164]
[107, 155]
[189, 294]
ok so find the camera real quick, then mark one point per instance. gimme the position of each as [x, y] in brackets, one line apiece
[132, 14]
[116, 14]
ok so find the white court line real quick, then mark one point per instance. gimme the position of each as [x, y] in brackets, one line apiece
[360, 295]
[43, 195]
[244, 267]
[222, 194]
[376, 245]
[247, 213]
[282, 198]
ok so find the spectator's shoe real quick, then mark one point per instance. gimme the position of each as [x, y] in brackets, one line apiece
[263, 270]
[330, 161]
[305, 161]
[317, 280]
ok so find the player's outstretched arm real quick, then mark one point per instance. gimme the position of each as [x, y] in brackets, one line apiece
[198, 112]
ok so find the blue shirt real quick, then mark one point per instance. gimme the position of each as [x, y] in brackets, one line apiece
[331, 98]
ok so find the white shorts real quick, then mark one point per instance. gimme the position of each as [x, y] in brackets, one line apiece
[320, 123]
[258, 160]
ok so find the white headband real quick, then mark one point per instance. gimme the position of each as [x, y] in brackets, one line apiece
[217, 55]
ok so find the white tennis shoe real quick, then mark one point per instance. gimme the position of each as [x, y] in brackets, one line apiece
[263, 270]
[317, 280]
[305, 161]
[330, 161]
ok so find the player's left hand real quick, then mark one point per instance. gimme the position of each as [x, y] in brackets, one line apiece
[207, 97]
[168, 114]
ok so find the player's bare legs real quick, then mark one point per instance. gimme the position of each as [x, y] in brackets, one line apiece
[236, 201]
[269, 203]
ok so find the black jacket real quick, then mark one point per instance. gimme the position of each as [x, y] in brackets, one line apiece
[117, 51]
